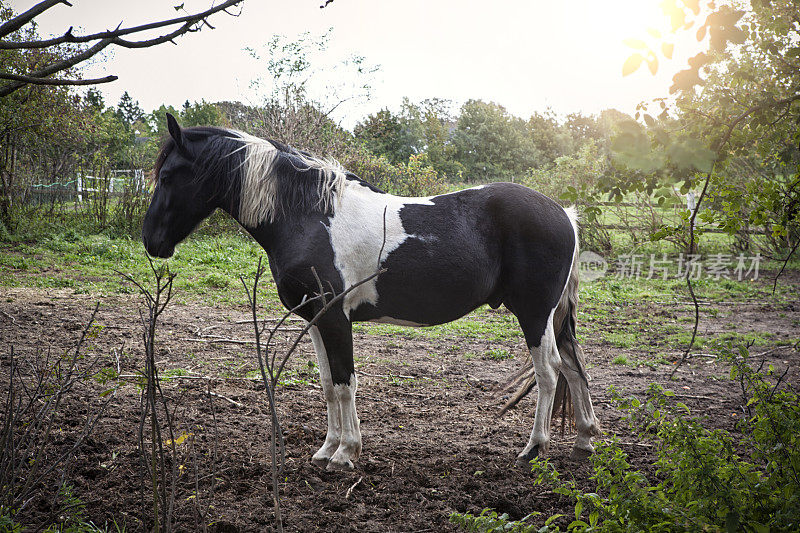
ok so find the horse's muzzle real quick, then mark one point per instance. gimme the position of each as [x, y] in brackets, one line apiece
[158, 248]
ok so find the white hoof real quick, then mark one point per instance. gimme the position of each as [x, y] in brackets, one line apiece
[334, 465]
[321, 462]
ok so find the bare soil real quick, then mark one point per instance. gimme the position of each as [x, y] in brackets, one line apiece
[433, 441]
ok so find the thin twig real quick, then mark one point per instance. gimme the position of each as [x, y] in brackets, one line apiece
[350, 490]
[691, 248]
[785, 262]
[229, 400]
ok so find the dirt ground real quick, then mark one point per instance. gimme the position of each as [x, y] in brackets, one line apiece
[433, 441]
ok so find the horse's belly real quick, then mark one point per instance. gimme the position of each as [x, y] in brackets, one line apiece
[397, 322]
[407, 301]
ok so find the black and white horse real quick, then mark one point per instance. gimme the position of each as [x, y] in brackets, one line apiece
[443, 257]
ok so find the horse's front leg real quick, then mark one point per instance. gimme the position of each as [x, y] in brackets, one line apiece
[334, 434]
[333, 342]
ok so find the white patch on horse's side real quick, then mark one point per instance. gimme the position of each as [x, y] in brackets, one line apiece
[259, 184]
[572, 214]
[397, 322]
[357, 237]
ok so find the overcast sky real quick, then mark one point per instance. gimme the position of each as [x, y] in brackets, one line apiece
[525, 55]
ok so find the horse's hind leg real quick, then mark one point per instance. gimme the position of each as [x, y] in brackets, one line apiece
[546, 363]
[585, 419]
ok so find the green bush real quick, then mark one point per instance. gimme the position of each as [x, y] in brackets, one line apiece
[415, 178]
[708, 480]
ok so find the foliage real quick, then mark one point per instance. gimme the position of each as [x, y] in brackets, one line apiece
[295, 108]
[570, 173]
[52, 137]
[200, 113]
[489, 521]
[707, 480]
[492, 144]
[736, 107]
[552, 139]
[129, 111]
[385, 134]
[757, 194]
[422, 128]
[7, 522]
[414, 178]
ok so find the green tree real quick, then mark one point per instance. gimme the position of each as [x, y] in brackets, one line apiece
[94, 100]
[129, 110]
[436, 124]
[201, 113]
[737, 103]
[392, 136]
[492, 144]
[550, 138]
[40, 129]
[158, 119]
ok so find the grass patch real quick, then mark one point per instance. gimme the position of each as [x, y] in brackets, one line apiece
[497, 354]
[620, 339]
[620, 360]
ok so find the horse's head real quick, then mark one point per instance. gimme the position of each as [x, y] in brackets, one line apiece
[182, 198]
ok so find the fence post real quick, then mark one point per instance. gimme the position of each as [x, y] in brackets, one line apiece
[79, 187]
[691, 204]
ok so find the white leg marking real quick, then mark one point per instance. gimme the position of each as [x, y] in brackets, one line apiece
[585, 420]
[350, 443]
[333, 436]
[546, 363]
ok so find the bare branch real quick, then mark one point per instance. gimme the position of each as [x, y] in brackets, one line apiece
[752, 109]
[169, 37]
[58, 66]
[20, 20]
[188, 23]
[54, 81]
[119, 32]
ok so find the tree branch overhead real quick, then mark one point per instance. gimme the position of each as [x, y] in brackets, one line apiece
[98, 41]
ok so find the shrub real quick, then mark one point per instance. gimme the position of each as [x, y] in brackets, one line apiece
[710, 480]
[416, 178]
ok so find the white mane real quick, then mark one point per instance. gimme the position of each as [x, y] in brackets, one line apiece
[260, 195]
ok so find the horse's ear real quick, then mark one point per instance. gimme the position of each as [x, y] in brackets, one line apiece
[175, 131]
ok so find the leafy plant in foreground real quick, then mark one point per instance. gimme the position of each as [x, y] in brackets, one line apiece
[707, 480]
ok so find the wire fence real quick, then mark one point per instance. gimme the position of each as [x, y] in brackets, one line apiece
[83, 185]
